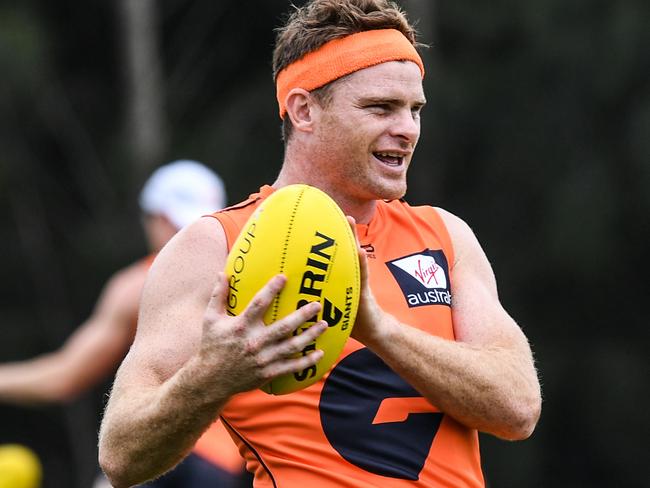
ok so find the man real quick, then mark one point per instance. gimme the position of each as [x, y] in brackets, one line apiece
[174, 195]
[423, 373]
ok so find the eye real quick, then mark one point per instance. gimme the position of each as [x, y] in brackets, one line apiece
[416, 111]
[380, 107]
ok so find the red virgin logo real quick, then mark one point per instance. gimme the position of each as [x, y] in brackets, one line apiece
[425, 269]
[428, 273]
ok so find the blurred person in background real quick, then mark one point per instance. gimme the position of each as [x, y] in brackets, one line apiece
[173, 196]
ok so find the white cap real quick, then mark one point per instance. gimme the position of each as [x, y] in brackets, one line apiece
[183, 191]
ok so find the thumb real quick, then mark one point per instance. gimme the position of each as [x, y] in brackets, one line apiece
[353, 226]
[218, 298]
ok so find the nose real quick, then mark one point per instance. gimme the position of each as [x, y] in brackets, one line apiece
[406, 125]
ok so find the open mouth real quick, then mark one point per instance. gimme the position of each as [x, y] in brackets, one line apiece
[389, 158]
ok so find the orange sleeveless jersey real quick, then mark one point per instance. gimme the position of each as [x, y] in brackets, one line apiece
[362, 425]
[215, 445]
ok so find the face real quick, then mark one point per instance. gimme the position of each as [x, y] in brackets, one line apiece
[366, 134]
[158, 230]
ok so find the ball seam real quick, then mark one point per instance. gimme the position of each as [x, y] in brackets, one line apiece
[285, 246]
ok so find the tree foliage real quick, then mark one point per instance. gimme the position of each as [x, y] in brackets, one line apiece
[536, 132]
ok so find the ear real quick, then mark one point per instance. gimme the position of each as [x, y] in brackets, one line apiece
[300, 105]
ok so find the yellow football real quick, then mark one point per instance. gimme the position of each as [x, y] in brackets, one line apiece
[19, 467]
[301, 232]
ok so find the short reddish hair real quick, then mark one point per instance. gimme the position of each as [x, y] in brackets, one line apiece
[319, 21]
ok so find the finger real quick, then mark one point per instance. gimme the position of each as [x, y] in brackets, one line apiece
[353, 225]
[293, 365]
[293, 344]
[263, 298]
[286, 326]
[363, 267]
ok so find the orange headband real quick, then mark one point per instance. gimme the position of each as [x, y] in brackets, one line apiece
[343, 56]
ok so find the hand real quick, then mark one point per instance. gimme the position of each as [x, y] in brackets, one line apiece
[243, 351]
[370, 315]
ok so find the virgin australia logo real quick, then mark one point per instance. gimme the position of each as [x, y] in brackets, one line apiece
[423, 278]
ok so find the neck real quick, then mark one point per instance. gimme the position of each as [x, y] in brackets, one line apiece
[362, 210]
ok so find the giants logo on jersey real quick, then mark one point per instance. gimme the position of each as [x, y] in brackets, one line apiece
[423, 278]
[375, 419]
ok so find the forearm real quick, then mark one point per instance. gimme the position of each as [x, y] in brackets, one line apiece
[39, 380]
[148, 430]
[493, 390]
[90, 354]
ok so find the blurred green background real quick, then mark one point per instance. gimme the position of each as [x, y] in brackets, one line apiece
[537, 132]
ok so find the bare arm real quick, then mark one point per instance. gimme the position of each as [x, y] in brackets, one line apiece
[485, 379]
[189, 357]
[89, 354]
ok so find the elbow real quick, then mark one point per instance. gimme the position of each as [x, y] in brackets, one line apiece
[110, 467]
[123, 467]
[115, 462]
[62, 382]
[114, 470]
[523, 417]
[524, 426]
